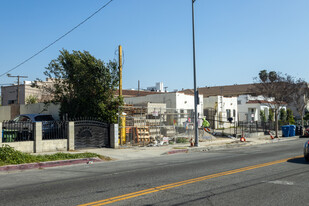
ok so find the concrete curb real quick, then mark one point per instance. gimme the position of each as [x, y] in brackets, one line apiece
[178, 151]
[48, 164]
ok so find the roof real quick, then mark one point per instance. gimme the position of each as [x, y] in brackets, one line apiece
[228, 91]
[264, 102]
[259, 102]
[135, 93]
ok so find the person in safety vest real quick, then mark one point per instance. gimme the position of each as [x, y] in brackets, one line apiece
[206, 125]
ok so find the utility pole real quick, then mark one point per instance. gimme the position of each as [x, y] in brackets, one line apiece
[194, 74]
[120, 70]
[18, 78]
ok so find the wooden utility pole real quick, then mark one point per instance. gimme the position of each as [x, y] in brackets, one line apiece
[18, 78]
[120, 71]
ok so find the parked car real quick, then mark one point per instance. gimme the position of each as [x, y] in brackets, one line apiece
[306, 151]
[21, 127]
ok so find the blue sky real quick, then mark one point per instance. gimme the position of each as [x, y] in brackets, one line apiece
[235, 39]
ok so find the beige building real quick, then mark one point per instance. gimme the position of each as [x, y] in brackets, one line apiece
[9, 93]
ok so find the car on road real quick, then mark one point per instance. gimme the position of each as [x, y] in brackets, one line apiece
[306, 151]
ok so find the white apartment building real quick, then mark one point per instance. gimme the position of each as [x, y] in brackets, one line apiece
[249, 107]
[182, 103]
[218, 109]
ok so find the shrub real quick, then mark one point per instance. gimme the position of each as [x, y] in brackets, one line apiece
[181, 140]
[8, 155]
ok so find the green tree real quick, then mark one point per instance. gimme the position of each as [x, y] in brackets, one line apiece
[84, 86]
[276, 89]
[290, 117]
[31, 99]
[282, 117]
[300, 98]
[271, 115]
[262, 116]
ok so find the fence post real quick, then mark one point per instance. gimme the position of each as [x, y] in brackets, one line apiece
[1, 133]
[71, 136]
[114, 136]
[38, 137]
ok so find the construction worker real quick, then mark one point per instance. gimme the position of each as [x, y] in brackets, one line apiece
[206, 125]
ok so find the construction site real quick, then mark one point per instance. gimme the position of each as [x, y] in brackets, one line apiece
[153, 123]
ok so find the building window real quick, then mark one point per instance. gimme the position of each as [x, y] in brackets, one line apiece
[11, 102]
[238, 101]
[182, 115]
[234, 113]
[228, 113]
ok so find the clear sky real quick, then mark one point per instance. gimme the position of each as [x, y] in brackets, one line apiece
[235, 39]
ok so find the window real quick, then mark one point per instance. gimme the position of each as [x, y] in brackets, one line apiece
[182, 115]
[234, 113]
[228, 113]
[24, 119]
[11, 101]
[44, 118]
[238, 101]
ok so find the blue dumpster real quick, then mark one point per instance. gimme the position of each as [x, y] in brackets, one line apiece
[285, 130]
[292, 130]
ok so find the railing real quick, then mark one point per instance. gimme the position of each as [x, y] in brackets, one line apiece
[17, 131]
[24, 131]
[54, 130]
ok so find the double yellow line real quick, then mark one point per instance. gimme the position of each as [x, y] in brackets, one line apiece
[178, 184]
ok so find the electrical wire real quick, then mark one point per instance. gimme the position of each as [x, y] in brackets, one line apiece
[89, 17]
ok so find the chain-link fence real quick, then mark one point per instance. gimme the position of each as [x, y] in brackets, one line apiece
[141, 125]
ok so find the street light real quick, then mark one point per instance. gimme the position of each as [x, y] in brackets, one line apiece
[194, 75]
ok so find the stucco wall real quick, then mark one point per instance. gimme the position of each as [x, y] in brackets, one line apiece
[51, 109]
[27, 146]
[172, 100]
[5, 113]
[47, 145]
[222, 104]
[54, 145]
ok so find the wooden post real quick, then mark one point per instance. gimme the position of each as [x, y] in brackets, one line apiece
[120, 71]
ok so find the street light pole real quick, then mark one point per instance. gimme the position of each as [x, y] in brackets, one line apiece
[194, 75]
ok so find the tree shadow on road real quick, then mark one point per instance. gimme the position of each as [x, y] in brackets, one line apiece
[299, 160]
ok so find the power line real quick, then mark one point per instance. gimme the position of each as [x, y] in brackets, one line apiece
[89, 17]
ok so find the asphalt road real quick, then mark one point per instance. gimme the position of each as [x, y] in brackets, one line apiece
[258, 175]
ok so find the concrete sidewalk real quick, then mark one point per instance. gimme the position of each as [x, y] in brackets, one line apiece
[138, 152]
[128, 153]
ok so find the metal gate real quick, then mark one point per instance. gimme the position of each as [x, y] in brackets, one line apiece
[91, 133]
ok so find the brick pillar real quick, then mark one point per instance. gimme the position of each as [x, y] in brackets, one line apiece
[38, 137]
[114, 136]
[71, 136]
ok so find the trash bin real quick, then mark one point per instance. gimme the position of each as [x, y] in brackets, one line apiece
[292, 130]
[8, 135]
[285, 130]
